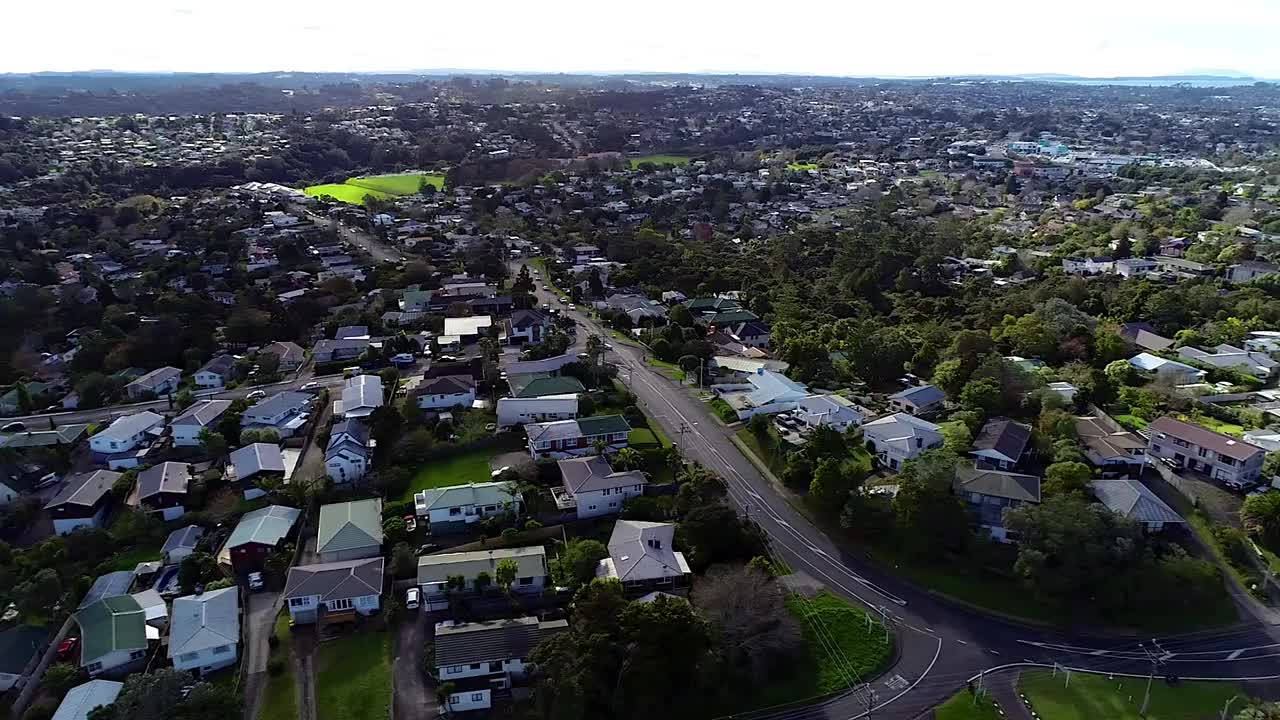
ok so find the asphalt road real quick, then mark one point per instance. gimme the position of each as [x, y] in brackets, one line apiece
[378, 250]
[941, 644]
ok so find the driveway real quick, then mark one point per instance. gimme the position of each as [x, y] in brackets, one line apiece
[412, 697]
[259, 622]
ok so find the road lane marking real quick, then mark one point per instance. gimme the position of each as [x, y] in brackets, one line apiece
[1236, 653]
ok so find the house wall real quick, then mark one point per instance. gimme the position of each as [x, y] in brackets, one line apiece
[429, 402]
[186, 435]
[207, 660]
[521, 411]
[994, 458]
[597, 503]
[497, 668]
[7, 681]
[209, 380]
[105, 446]
[303, 609]
[447, 521]
[352, 554]
[115, 661]
[1190, 456]
[344, 469]
[68, 525]
[470, 700]
[250, 557]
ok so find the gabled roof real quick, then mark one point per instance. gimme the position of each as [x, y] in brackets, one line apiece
[203, 413]
[642, 551]
[350, 526]
[530, 562]
[587, 474]
[361, 394]
[492, 640]
[336, 580]
[1105, 440]
[446, 385]
[255, 458]
[285, 350]
[156, 377]
[265, 526]
[129, 425]
[204, 621]
[1003, 436]
[489, 493]
[353, 428]
[43, 438]
[85, 489]
[112, 584]
[541, 387]
[996, 483]
[602, 425]
[84, 699]
[771, 387]
[527, 318]
[279, 403]
[167, 477]
[920, 395]
[116, 623]
[1134, 500]
[1202, 437]
[183, 538]
[899, 429]
[220, 365]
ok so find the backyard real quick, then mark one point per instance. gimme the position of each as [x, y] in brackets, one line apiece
[280, 697]
[353, 676]
[129, 559]
[1094, 696]
[472, 467]
[1214, 424]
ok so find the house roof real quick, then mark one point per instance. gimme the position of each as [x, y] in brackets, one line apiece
[530, 562]
[255, 458]
[528, 318]
[446, 385]
[156, 377]
[1154, 363]
[541, 387]
[336, 580]
[204, 621]
[771, 387]
[203, 413]
[920, 395]
[1203, 437]
[899, 429]
[361, 394]
[642, 551]
[265, 526]
[126, 427]
[1144, 336]
[602, 425]
[997, 483]
[1134, 500]
[116, 623]
[1106, 441]
[183, 538]
[464, 326]
[285, 350]
[220, 365]
[349, 332]
[489, 493]
[280, 403]
[587, 474]
[84, 699]
[1003, 436]
[354, 428]
[492, 640]
[350, 526]
[18, 645]
[43, 438]
[84, 489]
[167, 477]
[112, 584]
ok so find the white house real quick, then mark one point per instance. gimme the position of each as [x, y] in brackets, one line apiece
[127, 433]
[591, 486]
[467, 329]
[1257, 364]
[158, 382]
[643, 558]
[549, 408]
[1087, 265]
[347, 457]
[204, 631]
[767, 392]
[1218, 456]
[82, 700]
[113, 635]
[1135, 267]
[456, 507]
[181, 543]
[285, 412]
[901, 437]
[918, 400]
[216, 373]
[480, 657]
[434, 571]
[528, 326]
[1064, 390]
[1110, 447]
[361, 395]
[1001, 443]
[334, 591]
[446, 391]
[203, 414]
[1172, 370]
[832, 410]
[1135, 501]
[82, 501]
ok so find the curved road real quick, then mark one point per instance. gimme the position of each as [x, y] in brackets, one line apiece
[941, 644]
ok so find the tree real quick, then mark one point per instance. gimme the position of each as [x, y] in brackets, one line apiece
[1062, 478]
[394, 529]
[37, 595]
[212, 442]
[600, 447]
[798, 472]
[754, 633]
[956, 436]
[930, 518]
[981, 395]
[1260, 516]
[1120, 372]
[260, 435]
[482, 582]
[713, 533]
[505, 574]
[195, 569]
[759, 425]
[404, 562]
[830, 486]
[59, 678]
[577, 563]
[680, 315]
[184, 399]
[628, 459]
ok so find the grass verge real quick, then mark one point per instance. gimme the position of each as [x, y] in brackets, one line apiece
[353, 676]
[129, 559]
[1094, 696]
[961, 706]
[671, 370]
[280, 697]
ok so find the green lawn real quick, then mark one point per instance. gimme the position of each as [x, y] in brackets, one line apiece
[1214, 424]
[280, 697]
[1131, 422]
[817, 673]
[470, 467]
[1090, 697]
[660, 160]
[639, 437]
[802, 167]
[961, 706]
[353, 677]
[671, 370]
[351, 194]
[766, 452]
[129, 559]
[723, 411]
[398, 183]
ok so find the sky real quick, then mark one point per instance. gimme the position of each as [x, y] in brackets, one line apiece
[1097, 38]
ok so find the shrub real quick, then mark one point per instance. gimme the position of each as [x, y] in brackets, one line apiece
[275, 667]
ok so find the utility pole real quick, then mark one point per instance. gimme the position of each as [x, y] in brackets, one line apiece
[870, 698]
[684, 426]
[1155, 662]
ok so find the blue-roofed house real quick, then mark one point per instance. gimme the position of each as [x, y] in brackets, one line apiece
[112, 584]
[181, 543]
[765, 392]
[919, 400]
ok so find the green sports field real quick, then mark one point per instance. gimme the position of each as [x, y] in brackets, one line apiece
[660, 160]
[381, 187]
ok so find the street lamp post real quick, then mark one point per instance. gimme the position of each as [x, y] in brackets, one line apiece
[1228, 705]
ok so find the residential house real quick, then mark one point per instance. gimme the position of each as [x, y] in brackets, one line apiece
[569, 438]
[833, 411]
[580, 253]
[988, 493]
[467, 329]
[158, 382]
[1165, 369]
[331, 351]
[528, 326]
[285, 412]
[204, 633]
[291, 355]
[478, 659]
[1144, 336]
[253, 463]
[1201, 450]
[752, 333]
[162, 489]
[1110, 447]
[1135, 267]
[20, 649]
[187, 426]
[532, 572]
[1250, 270]
[352, 332]
[592, 488]
[643, 559]
[348, 455]
[548, 408]
[113, 635]
[334, 592]
[12, 403]
[350, 530]
[1001, 443]
[1184, 269]
[180, 544]
[1064, 390]
[446, 391]
[1130, 498]
[257, 535]
[361, 395]
[107, 585]
[456, 507]
[539, 368]
[216, 373]
[82, 501]
[537, 386]
[919, 400]
[1087, 265]
[766, 392]
[126, 434]
[637, 308]
[901, 437]
[81, 700]
[1257, 364]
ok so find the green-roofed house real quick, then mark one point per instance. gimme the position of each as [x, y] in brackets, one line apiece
[350, 531]
[113, 635]
[257, 535]
[543, 386]
[575, 438]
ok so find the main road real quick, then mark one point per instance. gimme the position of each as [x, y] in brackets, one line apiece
[941, 644]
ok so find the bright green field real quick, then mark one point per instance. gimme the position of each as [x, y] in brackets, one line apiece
[660, 160]
[802, 167]
[353, 677]
[352, 194]
[1094, 696]
[458, 470]
[379, 186]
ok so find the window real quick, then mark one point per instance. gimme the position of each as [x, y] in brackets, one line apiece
[475, 666]
[339, 604]
[495, 666]
[477, 697]
[455, 511]
[613, 504]
[136, 654]
[453, 670]
[591, 507]
[188, 657]
[526, 581]
[297, 602]
[94, 667]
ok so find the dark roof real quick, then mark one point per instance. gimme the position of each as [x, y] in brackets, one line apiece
[1005, 436]
[593, 472]
[85, 489]
[1144, 336]
[1134, 500]
[920, 395]
[447, 385]
[526, 318]
[1203, 437]
[18, 645]
[353, 427]
[336, 580]
[467, 643]
[113, 584]
[183, 537]
[220, 365]
[603, 425]
[167, 477]
[996, 483]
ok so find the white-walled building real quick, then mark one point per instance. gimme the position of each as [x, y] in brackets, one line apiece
[901, 437]
[204, 631]
[478, 658]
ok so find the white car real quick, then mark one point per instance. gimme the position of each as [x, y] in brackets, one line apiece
[255, 581]
[310, 387]
[412, 598]
[256, 395]
[499, 471]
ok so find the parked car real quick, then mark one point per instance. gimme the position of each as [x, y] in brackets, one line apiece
[255, 581]
[312, 386]
[256, 395]
[67, 647]
[14, 427]
[50, 479]
[412, 598]
[410, 523]
[1238, 485]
